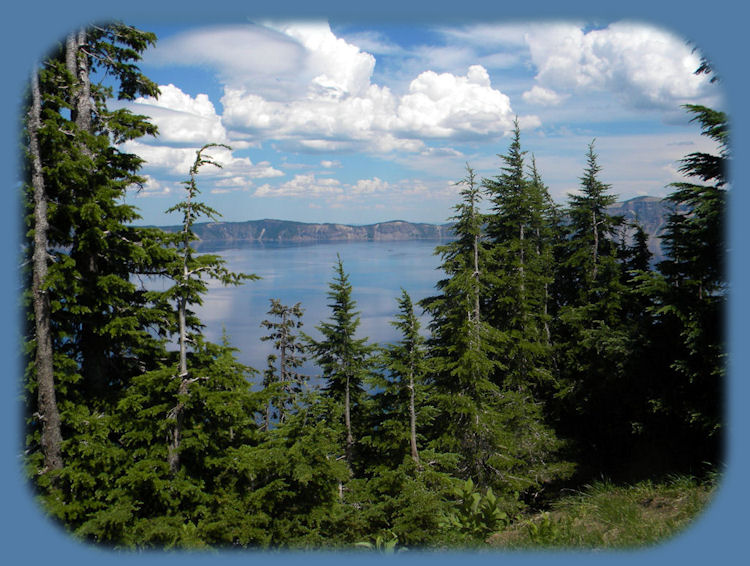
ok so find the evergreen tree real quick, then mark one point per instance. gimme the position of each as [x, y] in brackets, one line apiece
[688, 295]
[400, 388]
[343, 358]
[462, 345]
[495, 432]
[291, 354]
[594, 345]
[188, 273]
[519, 243]
[100, 328]
[147, 502]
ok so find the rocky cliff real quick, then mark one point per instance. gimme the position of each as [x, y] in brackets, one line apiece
[288, 231]
[650, 212]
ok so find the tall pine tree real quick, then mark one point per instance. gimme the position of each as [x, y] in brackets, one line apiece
[519, 244]
[287, 320]
[688, 294]
[593, 343]
[99, 328]
[343, 358]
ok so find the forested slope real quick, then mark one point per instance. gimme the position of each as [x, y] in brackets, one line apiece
[556, 350]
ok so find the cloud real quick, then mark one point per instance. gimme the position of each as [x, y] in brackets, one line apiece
[543, 96]
[332, 190]
[374, 42]
[369, 186]
[181, 118]
[154, 188]
[445, 105]
[489, 36]
[240, 56]
[646, 67]
[436, 106]
[305, 185]
[338, 68]
[235, 173]
[315, 93]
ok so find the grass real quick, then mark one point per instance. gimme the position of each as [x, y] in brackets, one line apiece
[605, 515]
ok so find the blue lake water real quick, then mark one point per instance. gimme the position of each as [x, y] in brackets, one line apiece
[301, 273]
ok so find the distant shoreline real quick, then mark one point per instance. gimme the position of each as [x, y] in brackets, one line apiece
[650, 212]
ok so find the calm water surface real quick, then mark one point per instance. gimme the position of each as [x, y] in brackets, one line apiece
[301, 273]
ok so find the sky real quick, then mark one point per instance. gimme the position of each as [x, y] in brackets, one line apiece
[335, 122]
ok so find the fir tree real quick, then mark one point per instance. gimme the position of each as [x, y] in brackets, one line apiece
[290, 354]
[519, 243]
[189, 273]
[400, 388]
[100, 328]
[594, 344]
[688, 295]
[495, 432]
[343, 358]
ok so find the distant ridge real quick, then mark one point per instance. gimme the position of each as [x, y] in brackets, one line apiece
[269, 230]
[650, 212]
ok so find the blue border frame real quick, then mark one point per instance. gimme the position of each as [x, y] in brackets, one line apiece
[717, 27]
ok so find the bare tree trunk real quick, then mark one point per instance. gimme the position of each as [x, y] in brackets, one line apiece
[348, 424]
[546, 292]
[181, 315]
[595, 251]
[476, 277]
[173, 448]
[283, 374]
[47, 401]
[77, 65]
[521, 268]
[76, 62]
[412, 416]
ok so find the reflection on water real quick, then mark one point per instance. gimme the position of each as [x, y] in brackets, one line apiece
[300, 273]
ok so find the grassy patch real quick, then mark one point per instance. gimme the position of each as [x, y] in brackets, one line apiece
[604, 515]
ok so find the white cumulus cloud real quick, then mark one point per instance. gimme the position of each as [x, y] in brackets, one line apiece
[304, 185]
[338, 68]
[646, 66]
[181, 119]
[444, 105]
[543, 96]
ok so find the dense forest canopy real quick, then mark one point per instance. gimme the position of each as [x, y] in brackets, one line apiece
[556, 351]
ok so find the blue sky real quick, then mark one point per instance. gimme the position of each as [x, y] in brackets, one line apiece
[336, 122]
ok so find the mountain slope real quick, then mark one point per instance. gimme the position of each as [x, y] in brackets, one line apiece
[651, 212]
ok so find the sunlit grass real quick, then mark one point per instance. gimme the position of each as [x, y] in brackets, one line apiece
[604, 515]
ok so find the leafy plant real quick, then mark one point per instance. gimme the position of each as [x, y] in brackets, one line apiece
[476, 515]
[543, 531]
[381, 545]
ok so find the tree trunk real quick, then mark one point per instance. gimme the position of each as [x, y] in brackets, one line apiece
[522, 286]
[412, 415]
[173, 448]
[476, 278]
[93, 350]
[595, 251]
[47, 401]
[348, 424]
[78, 67]
[283, 374]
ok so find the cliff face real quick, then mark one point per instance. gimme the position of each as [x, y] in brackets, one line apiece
[651, 212]
[287, 231]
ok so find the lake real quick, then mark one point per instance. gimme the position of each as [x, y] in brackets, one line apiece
[301, 273]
